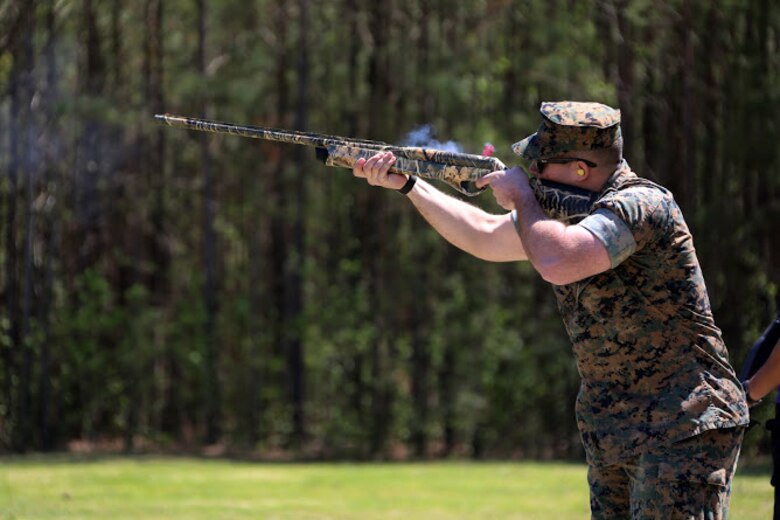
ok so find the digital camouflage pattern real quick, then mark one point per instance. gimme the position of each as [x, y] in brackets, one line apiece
[653, 365]
[459, 170]
[690, 480]
[570, 126]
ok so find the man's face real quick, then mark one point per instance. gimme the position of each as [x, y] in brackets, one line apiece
[555, 169]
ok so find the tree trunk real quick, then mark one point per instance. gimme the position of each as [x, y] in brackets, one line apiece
[28, 88]
[87, 196]
[212, 387]
[419, 373]
[370, 212]
[294, 274]
[19, 355]
[11, 289]
[156, 101]
[257, 294]
[681, 175]
[447, 397]
[48, 403]
[424, 93]
[117, 77]
[625, 78]
[769, 187]
[276, 194]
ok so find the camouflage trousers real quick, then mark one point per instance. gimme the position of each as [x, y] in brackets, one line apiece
[688, 480]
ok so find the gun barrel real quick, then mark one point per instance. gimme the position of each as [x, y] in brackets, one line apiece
[265, 133]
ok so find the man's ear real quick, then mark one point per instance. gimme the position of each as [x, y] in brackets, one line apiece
[582, 172]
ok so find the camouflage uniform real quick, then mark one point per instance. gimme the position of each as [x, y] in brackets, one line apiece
[660, 410]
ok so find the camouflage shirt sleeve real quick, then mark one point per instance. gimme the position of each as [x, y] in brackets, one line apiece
[613, 233]
[629, 220]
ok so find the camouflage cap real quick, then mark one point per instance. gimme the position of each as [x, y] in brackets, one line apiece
[569, 126]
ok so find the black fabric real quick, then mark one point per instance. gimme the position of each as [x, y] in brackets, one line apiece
[761, 349]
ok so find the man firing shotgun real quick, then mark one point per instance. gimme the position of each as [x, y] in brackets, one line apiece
[459, 170]
[660, 410]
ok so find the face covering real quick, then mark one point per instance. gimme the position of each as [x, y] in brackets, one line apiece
[562, 202]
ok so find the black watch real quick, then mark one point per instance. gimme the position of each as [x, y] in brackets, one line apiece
[407, 187]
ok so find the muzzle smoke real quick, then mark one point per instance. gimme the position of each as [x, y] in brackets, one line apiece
[423, 137]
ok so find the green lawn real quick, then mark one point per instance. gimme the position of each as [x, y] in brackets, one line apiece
[183, 488]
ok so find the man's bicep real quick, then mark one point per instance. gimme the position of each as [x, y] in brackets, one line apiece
[592, 256]
[612, 233]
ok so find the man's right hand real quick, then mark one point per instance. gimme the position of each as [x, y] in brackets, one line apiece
[376, 171]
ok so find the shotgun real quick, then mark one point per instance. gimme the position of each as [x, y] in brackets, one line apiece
[459, 170]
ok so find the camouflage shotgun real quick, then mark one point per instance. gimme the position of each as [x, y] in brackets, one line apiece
[459, 170]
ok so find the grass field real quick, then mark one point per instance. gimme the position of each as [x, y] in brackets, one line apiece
[184, 488]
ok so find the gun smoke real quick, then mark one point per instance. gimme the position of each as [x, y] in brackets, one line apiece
[422, 137]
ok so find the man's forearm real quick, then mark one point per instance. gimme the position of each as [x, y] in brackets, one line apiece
[768, 376]
[486, 236]
[540, 235]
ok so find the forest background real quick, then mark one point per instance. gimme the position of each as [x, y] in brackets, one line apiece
[166, 290]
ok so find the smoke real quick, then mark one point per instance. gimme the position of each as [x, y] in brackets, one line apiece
[422, 136]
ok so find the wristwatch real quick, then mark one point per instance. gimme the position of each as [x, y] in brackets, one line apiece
[407, 187]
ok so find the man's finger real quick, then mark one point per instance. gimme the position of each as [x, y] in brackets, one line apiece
[371, 162]
[486, 180]
[357, 169]
[388, 162]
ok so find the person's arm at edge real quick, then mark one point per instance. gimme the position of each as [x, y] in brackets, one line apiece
[767, 378]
